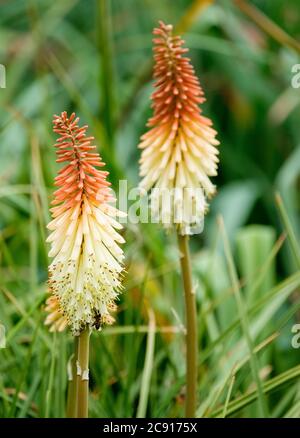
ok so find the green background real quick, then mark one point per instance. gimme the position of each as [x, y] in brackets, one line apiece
[94, 57]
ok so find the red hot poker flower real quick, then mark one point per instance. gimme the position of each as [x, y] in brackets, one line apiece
[85, 273]
[179, 149]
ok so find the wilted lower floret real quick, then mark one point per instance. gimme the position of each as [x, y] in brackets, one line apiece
[55, 318]
[84, 276]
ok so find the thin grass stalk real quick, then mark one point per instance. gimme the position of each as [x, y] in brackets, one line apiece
[191, 328]
[148, 368]
[143, 75]
[82, 366]
[243, 315]
[268, 26]
[107, 71]
[24, 373]
[289, 229]
[51, 377]
[270, 385]
[71, 411]
[192, 13]
[228, 396]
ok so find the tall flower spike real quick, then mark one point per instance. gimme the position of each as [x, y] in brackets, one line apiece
[179, 150]
[84, 276]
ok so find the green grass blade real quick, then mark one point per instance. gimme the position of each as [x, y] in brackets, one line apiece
[148, 367]
[243, 319]
[289, 229]
[51, 377]
[271, 385]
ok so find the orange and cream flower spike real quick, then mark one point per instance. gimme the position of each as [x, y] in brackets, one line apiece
[179, 150]
[85, 274]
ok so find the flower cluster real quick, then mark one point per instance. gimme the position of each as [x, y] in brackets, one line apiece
[179, 149]
[84, 276]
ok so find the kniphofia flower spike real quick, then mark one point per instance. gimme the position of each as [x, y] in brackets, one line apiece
[179, 150]
[84, 276]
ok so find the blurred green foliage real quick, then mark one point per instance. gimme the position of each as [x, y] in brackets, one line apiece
[94, 57]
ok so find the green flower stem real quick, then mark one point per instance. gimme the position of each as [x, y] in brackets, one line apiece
[191, 328]
[83, 374]
[72, 387]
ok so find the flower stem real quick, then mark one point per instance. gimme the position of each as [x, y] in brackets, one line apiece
[83, 374]
[268, 25]
[72, 387]
[191, 327]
